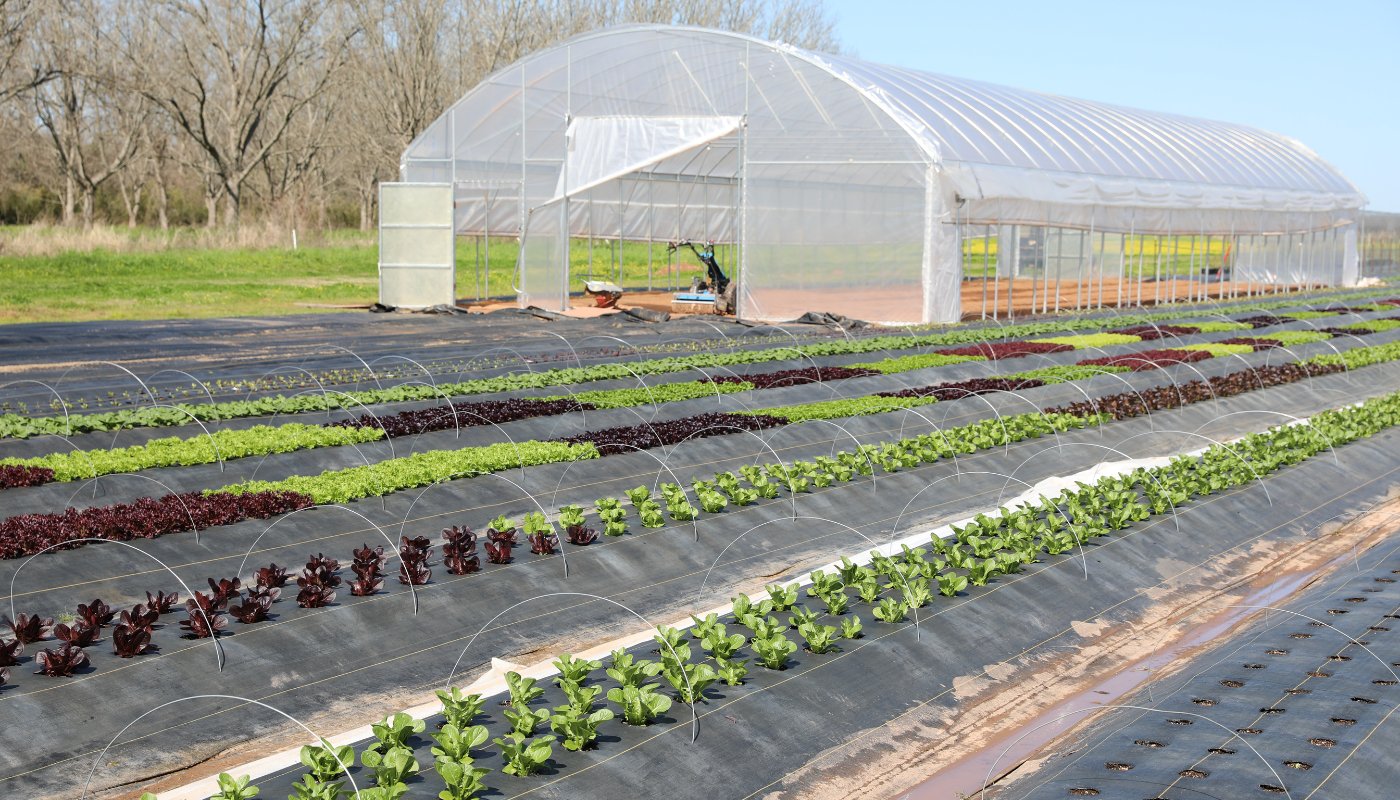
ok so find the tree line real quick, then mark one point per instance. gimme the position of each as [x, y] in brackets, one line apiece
[176, 112]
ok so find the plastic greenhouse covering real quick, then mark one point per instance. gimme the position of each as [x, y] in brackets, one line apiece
[849, 186]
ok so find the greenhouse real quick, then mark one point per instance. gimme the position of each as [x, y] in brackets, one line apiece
[833, 184]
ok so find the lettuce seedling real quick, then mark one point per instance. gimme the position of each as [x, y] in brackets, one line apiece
[523, 691]
[689, 680]
[783, 597]
[773, 651]
[916, 593]
[579, 729]
[836, 603]
[27, 629]
[721, 646]
[681, 510]
[628, 672]
[801, 616]
[614, 528]
[580, 697]
[524, 720]
[668, 638]
[950, 583]
[823, 584]
[979, 572]
[639, 495]
[395, 731]
[391, 768]
[455, 744]
[10, 652]
[820, 638]
[525, 758]
[640, 704]
[312, 788]
[712, 502]
[325, 761]
[703, 627]
[458, 708]
[850, 628]
[890, 611]
[462, 779]
[763, 627]
[231, 788]
[869, 589]
[731, 672]
[651, 515]
[570, 515]
[574, 670]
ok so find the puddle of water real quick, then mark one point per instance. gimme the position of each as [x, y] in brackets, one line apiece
[967, 776]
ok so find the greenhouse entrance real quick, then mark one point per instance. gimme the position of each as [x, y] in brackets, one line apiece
[651, 179]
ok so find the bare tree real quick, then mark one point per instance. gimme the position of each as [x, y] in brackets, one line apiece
[93, 128]
[18, 74]
[227, 82]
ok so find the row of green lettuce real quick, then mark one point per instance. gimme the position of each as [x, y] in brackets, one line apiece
[19, 426]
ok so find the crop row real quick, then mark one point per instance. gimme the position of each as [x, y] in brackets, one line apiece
[18, 426]
[264, 440]
[718, 650]
[27, 534]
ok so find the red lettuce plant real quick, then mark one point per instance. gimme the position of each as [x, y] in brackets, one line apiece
[271, 576]
[10, 652]
[129, 641]
[147, 518]
[29, 629]
[795, 377]
[1145, 360]
[627, 438]
[318, 582]
[368, 566]
[1265, 320]
[413, 560]
[13, 475]
[954, 390]
[201, 619]
[1257, 344]
[60, 662]
[1148, 333]
[161, 603]
[578, 534]
[253, 609]
[79, 634]
[440, 418]
[498, 552]
[96, 614]
[140, 616]
[224, 590]
[459, 550]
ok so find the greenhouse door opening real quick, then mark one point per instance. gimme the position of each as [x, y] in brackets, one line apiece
[631, 178]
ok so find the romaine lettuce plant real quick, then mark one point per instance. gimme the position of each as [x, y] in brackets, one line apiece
[231, 788]
[524, 720]
[325, 761]
[820, 638]
[890, 611]
[578, 729]
[523, 691]
[455, 744]
[850, 628]
[732, 672]
[394, 732]
[630, 672]
[29, 629]
[640, 704]
[459, 708]
[462, 779]
[525, 758]
[773, 651]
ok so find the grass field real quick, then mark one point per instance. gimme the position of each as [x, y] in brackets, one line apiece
[143, 274]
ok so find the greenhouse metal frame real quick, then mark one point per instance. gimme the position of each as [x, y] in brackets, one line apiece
[875, 191]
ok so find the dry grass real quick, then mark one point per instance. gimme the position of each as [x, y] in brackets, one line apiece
[44, 239]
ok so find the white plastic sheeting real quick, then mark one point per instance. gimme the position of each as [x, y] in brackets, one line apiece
[847, 185]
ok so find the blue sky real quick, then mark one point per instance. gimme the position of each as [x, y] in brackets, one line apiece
[1326, 73]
